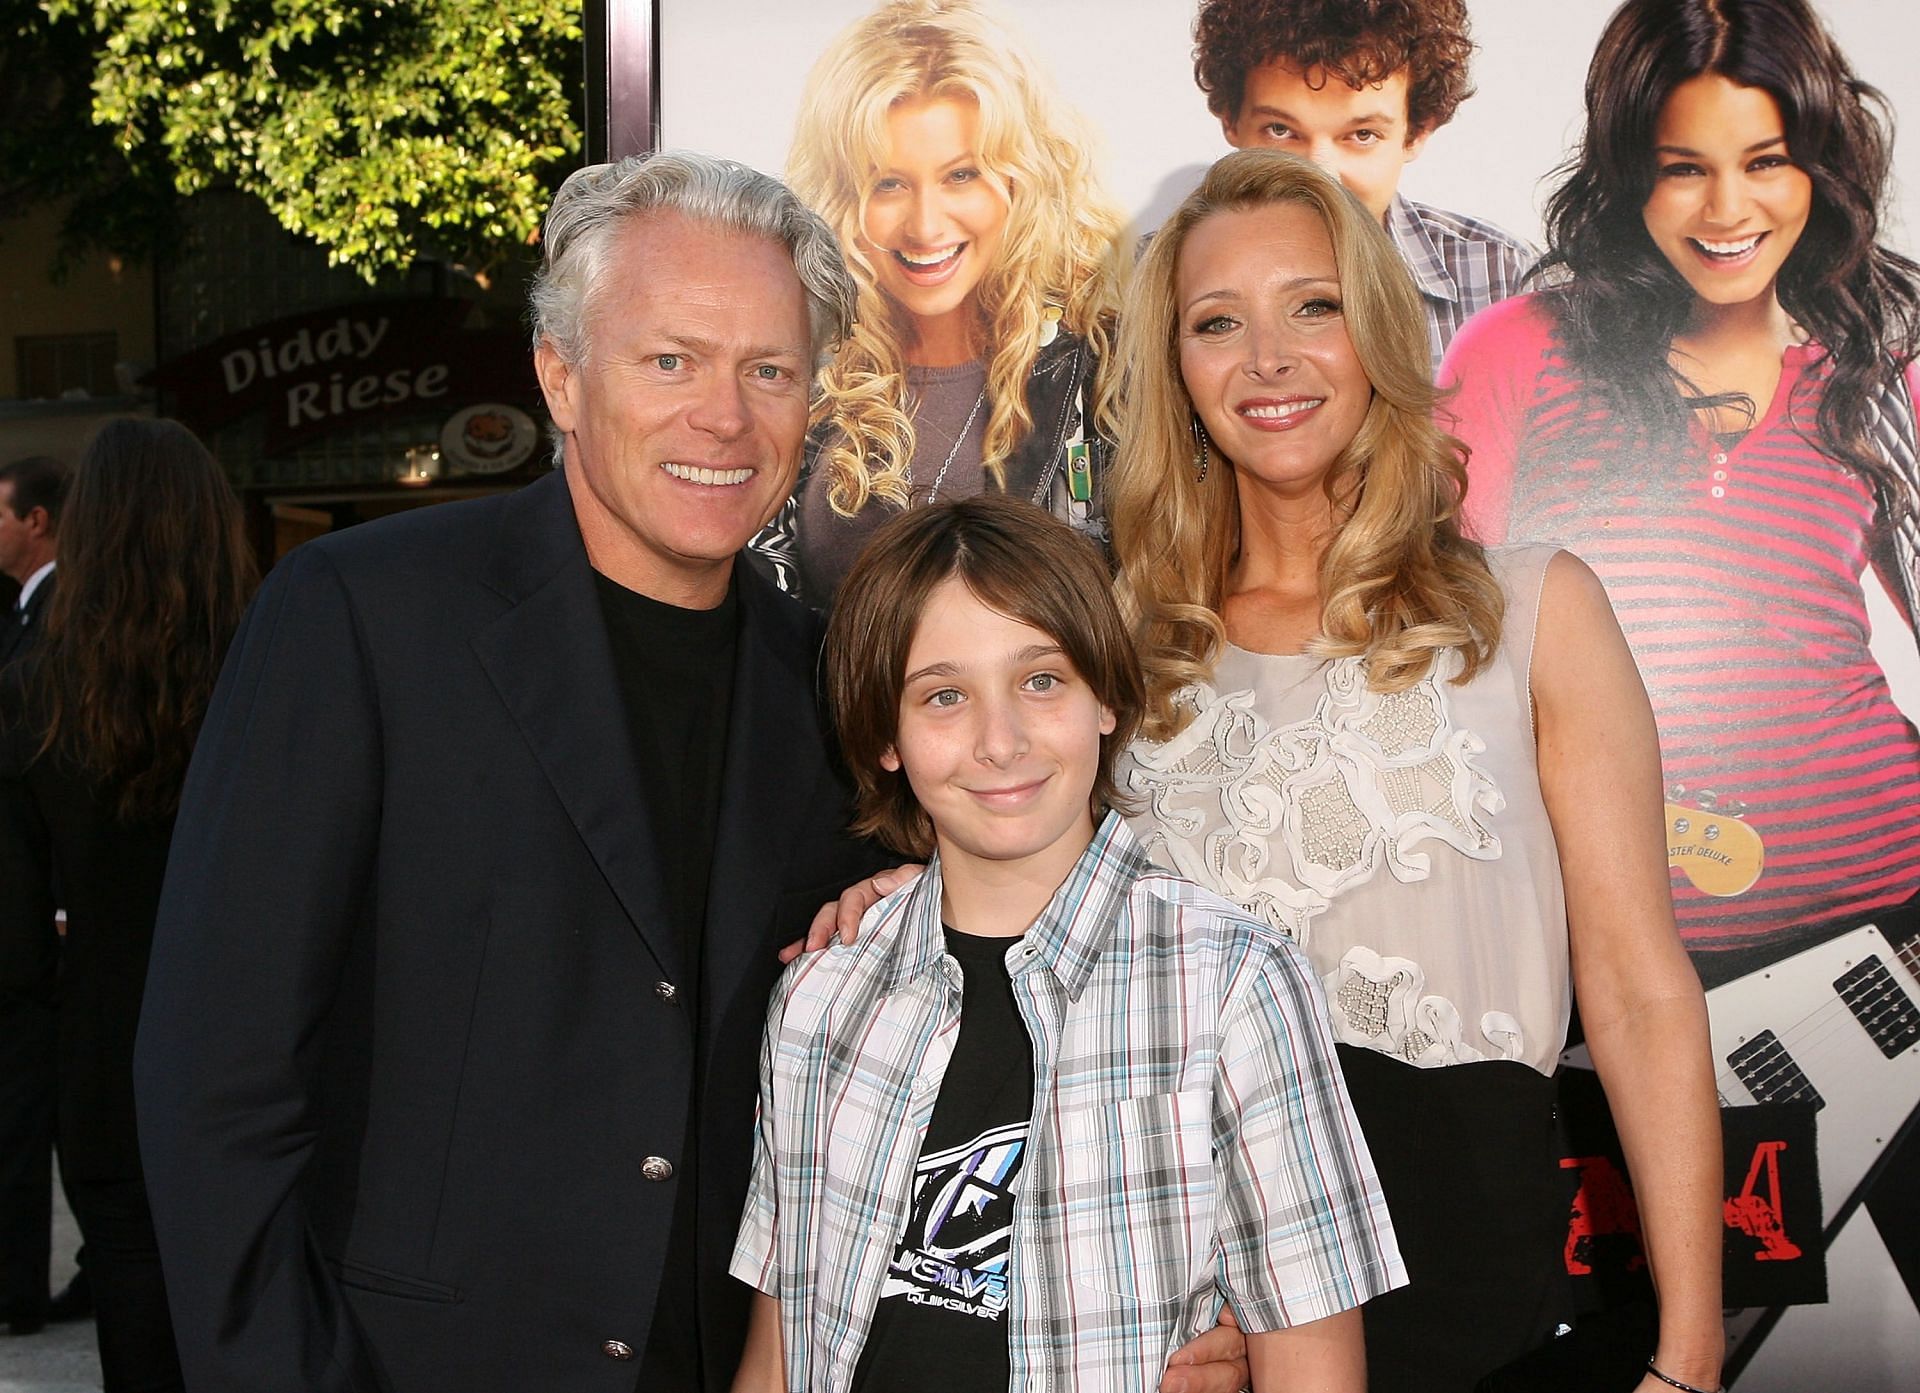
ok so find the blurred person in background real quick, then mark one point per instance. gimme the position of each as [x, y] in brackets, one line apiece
[31, 492]
[96, 729]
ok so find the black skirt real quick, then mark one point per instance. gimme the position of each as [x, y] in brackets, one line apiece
[1467, 1161]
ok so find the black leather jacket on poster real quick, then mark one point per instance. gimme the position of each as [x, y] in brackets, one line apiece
[1894, 543]
[1060, 396]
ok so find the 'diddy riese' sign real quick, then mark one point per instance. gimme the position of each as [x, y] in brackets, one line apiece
[312, 374]
[347, 345]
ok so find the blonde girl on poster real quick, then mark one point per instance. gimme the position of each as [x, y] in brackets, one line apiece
[964, 193]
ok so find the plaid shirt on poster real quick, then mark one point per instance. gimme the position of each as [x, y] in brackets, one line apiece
[1191, 1135]
[1460, 265]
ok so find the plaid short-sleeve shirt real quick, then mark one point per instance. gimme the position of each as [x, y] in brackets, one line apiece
[1460, 265]
[1191, 1137]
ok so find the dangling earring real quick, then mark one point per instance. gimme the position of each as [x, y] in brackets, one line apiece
[1201, 453]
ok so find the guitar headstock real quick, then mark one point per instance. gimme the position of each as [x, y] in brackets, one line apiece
[1718, 853]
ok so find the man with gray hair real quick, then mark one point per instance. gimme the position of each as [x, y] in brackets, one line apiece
[498, 819]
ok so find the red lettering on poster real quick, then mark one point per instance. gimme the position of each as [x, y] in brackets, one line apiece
[1602, 1208]
[1759, 1217]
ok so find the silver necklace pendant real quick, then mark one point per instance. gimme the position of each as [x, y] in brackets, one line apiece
[953, 451]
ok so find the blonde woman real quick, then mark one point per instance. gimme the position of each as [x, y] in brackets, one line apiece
[964, 194]
[1432, 766]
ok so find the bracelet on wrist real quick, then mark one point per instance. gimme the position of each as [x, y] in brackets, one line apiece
[1673, 1382]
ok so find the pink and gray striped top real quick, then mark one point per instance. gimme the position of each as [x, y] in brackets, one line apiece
[1736, 573]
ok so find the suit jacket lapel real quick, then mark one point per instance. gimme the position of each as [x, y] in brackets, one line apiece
[17, 626]
[13, 632]
[549, 659]
[773, 740]
[42, 597]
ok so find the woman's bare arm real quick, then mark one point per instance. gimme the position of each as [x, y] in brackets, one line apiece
[763, 1364]
[1640, 998]
[1320, 1356]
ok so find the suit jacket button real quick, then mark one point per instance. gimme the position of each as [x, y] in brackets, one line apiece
[657, 1168]
[666, 991]
[617, 1349]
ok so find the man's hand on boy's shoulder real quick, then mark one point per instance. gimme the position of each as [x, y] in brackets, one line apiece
[841, 918]
[1215, 1362]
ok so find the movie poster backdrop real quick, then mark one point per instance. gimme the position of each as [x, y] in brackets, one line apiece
[1811, 1012]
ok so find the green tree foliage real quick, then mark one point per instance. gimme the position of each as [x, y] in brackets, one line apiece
[383, 129]
[51, 152]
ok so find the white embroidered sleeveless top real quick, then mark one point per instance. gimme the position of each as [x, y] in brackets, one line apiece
[1399, 839]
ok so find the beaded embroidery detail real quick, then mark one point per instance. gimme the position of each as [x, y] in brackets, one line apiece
[1382, 1004]
[1307, 810]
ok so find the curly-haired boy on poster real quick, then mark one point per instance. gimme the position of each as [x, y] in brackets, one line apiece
[1358, 86]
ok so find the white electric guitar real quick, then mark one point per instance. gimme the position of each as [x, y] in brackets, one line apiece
[1837, 1025]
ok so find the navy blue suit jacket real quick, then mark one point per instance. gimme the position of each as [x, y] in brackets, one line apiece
[407, 1039]
[19, 628]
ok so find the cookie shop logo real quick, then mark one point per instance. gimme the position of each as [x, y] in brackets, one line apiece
[491, 438]
[310, 400]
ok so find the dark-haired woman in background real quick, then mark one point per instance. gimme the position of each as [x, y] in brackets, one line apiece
[95, 735]
[1713, 411]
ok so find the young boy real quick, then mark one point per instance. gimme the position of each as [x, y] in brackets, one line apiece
[1054, 1103]
[1359, 86]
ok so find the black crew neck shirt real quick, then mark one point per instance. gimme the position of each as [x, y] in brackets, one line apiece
[675, 672]
[941, 1322]
[675, 668]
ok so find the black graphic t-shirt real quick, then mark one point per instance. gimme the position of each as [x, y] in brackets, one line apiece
[941, 1320]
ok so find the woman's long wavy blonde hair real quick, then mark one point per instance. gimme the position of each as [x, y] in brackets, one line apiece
[1060, 252]
[1398, 581]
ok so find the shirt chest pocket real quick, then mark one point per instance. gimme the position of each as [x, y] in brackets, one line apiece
[1138, 1187]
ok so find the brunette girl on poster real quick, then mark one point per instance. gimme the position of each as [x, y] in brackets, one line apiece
[1713, 409]
[964, 194]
